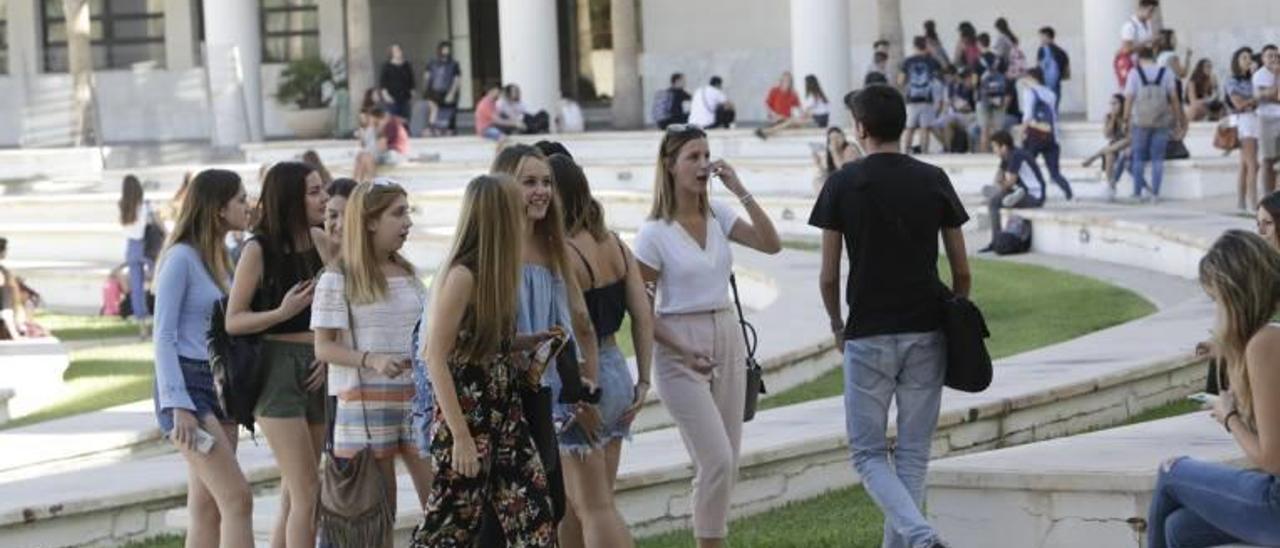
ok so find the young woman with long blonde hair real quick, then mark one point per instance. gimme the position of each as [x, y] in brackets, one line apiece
[272, 295]
[374, 294]
[612, 290]
[1199, 503]
[480, 442]
[683, 248]
[194, 274]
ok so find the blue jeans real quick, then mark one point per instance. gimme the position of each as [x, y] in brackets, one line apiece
[135, 256]
[1052, 152]
[1200, 503]
[1148, 145]
[910, 368]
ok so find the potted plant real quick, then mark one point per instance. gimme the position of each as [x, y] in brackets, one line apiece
[303, 86]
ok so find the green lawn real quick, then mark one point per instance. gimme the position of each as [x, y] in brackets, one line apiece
[1026, 307]
[163, 541]
[99, 378]
[1179, 407]
[68, 327]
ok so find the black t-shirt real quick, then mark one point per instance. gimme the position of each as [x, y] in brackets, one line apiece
[890, 208]
[397, 80]
[678, 98]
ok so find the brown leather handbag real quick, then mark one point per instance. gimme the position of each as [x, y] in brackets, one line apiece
[1226, 137]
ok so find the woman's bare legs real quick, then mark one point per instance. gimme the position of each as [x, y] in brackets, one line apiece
[292, 443]
[202, 510]
[420, 472]
[219, 498]
[587, 485]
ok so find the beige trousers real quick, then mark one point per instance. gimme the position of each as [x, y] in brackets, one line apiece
[707, 409]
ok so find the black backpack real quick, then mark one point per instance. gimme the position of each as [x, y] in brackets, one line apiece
[238, 374]
[1014, 239]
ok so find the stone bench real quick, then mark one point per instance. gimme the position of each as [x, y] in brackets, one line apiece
[1086, 490]
[31, 369]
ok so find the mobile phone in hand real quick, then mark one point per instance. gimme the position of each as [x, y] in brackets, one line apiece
[1203, 398]
[204, 441]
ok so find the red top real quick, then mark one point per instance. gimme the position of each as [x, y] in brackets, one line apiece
[485, 111]
[782, 102]
[397, 137]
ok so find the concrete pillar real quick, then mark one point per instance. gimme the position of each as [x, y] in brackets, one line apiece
[179, 34]
[24, 40]
[233, 45]
[360, 76]
[333, 36]
[628, 99]
[80, 65]
[460, 38]
[820, 46]
[530, 51]
[1102, 22]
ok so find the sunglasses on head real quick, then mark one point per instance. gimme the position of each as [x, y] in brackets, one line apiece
[677, 129]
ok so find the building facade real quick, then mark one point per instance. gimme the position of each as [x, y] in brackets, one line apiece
[207, 70]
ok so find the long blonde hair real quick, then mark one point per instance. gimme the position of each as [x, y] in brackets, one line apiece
[200, 226]
[664, 181]
[365, 282]
[549, 231]
[1242, 272]
[488, 242]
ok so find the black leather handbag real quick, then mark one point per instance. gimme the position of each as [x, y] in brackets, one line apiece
[755, 374]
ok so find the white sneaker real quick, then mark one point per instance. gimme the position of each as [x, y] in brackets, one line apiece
[1014, 197]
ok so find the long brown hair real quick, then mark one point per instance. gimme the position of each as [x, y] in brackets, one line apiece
[282, 216]
[130, 199]
[1242, 273]
[664, 181]
[365, 282]
[581, 210]
[199, 224]
[549, 231]
[488, 242]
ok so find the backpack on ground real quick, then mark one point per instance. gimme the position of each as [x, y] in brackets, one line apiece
[1151, 104]
[919, 83]
[1014, 239]
[661, 105]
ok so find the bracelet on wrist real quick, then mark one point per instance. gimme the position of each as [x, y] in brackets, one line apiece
[746, 199]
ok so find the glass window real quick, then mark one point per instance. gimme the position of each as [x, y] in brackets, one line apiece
[290, 30]
[122, 33]
[4, 37]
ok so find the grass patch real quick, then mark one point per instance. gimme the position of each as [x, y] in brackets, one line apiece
[99, 378]
[1168, 410]
[68, 327]
[1026, 307]
[842, 518]
[163, 541]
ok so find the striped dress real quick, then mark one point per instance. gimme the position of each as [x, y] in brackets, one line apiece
[368, 399]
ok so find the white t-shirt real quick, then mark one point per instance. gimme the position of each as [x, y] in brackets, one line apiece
[137, 230]
[384, 327]
[1136, 31]
[1264, 78]
[815, 106]
[691, 279]
[702, 108]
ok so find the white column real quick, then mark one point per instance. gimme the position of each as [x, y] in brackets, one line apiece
[233, 46]
[820, 46]
[1102, 22]
[460, 39]
[179, 35]
[530, 52]
[333, 37]
[628, 97]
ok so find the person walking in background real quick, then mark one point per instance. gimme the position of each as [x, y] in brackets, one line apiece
[194, 273]
[443, 77]
[271, 294]
[783, 108]
[919, 80]
[396, 82]
[1136, 33]
[683, 250]
[710, 108]
[612, 289]
[1054, 64]
[1041, 128]
[374, 295]
[135, 215]
[1198, 503]
[1009, 49]
[1266, 90]
[1154, 114]
[481, 444]
[671, 105]
[1243, 106]
[1018, 184]
[888, 210]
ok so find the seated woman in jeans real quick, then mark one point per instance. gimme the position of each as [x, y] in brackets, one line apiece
[1206, 504]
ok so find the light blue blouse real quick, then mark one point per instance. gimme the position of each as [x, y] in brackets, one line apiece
[185, 296]
[543, 303]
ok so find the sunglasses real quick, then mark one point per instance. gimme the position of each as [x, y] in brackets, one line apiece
[679, 129]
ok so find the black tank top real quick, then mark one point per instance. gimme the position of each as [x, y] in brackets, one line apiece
[606, 305]
[280, 272]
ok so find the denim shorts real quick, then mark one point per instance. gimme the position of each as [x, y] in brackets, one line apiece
[616, 394]
[198, 379]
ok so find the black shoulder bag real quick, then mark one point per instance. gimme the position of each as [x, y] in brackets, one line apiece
[236, 365]
[755, 374]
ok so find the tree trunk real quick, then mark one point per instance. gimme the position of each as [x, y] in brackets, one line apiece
[80, 66]
[628, 105]
[360, 70]
[889, 24]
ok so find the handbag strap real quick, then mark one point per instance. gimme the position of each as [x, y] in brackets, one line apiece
[751, 341]
[364, 409]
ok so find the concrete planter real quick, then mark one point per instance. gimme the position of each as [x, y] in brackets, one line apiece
[311, 123]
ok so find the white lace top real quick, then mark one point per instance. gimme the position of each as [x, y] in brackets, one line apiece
[384, 327]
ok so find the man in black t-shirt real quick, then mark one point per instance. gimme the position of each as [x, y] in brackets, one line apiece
[1019, 183]
[886, 210]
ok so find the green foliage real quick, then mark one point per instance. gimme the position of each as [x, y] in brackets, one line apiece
[303, 83]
